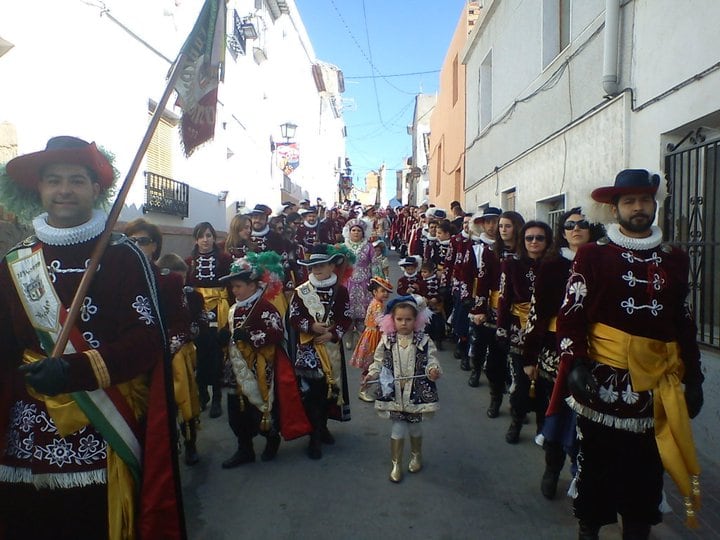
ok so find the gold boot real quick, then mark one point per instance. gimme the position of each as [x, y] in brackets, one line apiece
[396, 450]
[415, 454]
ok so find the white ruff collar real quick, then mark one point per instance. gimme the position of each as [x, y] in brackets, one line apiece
[263, 232]
[323, 283]
[485, 238]
[476, 239]
[430, 237]
[249, 300]
[567, 253]
[627, 242]
[444, 242]
[307, 225]
[464, 234]
[410, 275]
[69, 236]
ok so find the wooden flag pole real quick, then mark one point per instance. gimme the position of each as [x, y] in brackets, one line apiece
[114, 214]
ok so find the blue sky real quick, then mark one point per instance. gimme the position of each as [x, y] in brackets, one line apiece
[372, 42]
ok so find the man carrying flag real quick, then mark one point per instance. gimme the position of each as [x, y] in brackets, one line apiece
[81, 431]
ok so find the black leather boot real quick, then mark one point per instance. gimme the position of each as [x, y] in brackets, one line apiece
[474, 379]
[587, 531]
[190, 432]
[513, 433]
[496, 397]
[272, 443]
[554, 460]
[635, 530]
[244, 454]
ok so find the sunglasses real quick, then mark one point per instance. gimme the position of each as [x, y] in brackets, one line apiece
[569, 225]
[142, 240]
[535, 238]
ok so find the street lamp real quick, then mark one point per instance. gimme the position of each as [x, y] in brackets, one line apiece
[287, 130]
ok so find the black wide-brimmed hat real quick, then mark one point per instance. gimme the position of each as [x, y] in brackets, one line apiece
[260, 209]
[489, 212]
[411, 260]
[628, 181]
[320, 254]
[241, 269]
[26, 170]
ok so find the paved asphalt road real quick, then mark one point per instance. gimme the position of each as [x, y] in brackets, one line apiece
[474, 485]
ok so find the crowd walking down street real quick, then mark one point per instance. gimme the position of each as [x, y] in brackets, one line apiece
[473, 485]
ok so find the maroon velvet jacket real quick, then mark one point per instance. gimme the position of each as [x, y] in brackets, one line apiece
[639, 286]
[119, 319]
[411, 285]
[272, 241]
[517, 283]
[545, 304]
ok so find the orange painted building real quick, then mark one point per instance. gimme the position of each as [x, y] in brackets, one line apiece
[447, 124]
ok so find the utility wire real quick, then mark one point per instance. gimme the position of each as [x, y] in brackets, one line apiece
[374, 81]
[392, 75]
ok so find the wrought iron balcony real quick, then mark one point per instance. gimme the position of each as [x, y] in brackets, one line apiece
[165, 195]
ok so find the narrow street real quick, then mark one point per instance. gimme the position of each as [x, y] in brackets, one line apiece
[473, 485]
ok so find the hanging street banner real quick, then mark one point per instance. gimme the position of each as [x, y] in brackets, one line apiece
[288, 157]
[200, 75]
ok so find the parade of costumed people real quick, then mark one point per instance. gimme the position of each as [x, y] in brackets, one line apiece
[262, 396]
[50, 400]
[320, 314]
[405, 368]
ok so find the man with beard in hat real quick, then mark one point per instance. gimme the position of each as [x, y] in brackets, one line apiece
[263, 238]
[83, 432]
[307, 233]
[627, 344]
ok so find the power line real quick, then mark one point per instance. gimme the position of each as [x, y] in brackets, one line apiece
[346, 77]
[374, 81]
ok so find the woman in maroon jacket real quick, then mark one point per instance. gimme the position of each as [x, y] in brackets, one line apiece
[517, 284]
[540, 353]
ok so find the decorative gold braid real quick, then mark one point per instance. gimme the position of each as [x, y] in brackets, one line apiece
[99, 367]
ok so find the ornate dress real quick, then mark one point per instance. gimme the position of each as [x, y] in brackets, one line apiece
[401, 364]
[365, 349]
[358, 283]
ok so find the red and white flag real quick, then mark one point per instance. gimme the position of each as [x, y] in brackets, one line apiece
[200, 74]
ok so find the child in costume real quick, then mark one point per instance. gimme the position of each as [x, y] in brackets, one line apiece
[320, 315]
[411, 282]
[256, 360]
[406, 367]
[436, 326]
[363, 355]
[380, 265]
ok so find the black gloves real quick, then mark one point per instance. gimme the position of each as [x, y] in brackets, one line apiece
[581, 382]
[240, 334]
[694, 398]
[48, 376]
[223, 336]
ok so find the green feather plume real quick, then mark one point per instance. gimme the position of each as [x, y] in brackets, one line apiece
[342, 249]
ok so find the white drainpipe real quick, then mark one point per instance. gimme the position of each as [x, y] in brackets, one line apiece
[610, 58]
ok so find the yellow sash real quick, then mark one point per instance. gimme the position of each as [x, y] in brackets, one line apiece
[69, 418]
[655, 365]
[521, 311]
[184, 384]
[216, 298]
[552, 325]
[494, 299]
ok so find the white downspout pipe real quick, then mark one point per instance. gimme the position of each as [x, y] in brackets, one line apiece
[610, 57]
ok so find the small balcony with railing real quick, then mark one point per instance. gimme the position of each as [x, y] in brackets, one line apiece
[166, 196]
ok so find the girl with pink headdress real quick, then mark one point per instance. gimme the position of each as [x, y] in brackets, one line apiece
[405, 367]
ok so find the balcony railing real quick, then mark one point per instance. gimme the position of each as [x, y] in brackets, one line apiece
[165, 195]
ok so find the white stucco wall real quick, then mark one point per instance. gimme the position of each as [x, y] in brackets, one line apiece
[75, 72]
[560, 125]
